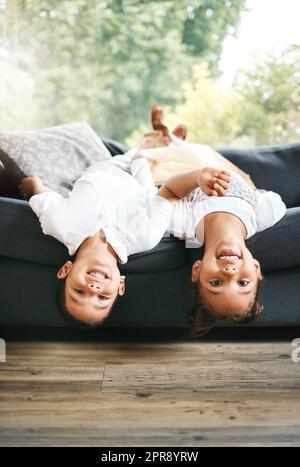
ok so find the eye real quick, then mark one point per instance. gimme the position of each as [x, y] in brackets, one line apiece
[216, 283]
[243, 283]
[79, 291]
[101, 298]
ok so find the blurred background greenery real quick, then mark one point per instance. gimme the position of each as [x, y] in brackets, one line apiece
[107, 62]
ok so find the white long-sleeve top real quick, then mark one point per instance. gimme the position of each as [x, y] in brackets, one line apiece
[106, 199]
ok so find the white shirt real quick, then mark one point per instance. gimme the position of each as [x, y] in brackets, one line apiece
[257, 210]
[106, 199]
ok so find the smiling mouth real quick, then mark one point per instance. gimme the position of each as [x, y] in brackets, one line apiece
[229, 259]
[99, 276]
[229, 255]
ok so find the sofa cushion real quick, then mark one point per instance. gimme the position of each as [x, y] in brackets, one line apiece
[153, 300]
[28, 291]
[280, 298]
[278, 248]
[58, 155]
[169, 254]
[275, 168]
[21, 237]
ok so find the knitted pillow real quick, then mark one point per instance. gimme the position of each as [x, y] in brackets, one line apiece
[58, 155]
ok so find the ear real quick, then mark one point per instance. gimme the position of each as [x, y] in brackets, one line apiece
[258, 270]
[122, 287]
[64, 270]
[196, 268]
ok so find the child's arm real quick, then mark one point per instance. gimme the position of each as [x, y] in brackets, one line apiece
[141, 171]
[157, 219]
[212, 181]
[140, 164]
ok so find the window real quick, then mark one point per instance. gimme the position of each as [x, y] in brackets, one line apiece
[228, 69]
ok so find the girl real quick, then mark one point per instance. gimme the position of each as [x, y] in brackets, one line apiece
[227, 281]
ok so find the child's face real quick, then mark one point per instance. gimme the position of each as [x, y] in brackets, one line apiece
[228, 285]
[91, 288]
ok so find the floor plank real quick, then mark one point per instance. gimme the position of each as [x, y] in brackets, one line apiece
[160, 394]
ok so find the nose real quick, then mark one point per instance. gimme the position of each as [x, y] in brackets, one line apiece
[230, 269]
[93, 287]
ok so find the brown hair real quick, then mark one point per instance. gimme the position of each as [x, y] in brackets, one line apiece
[202, 320]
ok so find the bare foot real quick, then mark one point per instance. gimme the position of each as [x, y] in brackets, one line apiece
[157, 116]
[180, 131]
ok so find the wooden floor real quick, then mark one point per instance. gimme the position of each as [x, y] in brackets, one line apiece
[149, 394]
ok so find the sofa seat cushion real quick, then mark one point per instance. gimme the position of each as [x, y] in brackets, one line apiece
[169, 254]
[278, 248]
[21, 237]
[275, 168]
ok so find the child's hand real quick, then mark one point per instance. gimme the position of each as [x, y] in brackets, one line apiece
[30, 186]
[214, 182]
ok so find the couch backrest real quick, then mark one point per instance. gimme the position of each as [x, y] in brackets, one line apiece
[275, 168]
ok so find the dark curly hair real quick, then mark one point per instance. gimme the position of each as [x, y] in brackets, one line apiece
[202, 320]
[64, 312]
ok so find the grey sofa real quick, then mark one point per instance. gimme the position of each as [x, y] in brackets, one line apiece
[157, 281]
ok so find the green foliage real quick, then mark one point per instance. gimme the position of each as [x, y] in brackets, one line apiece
[208, 23]
[108, 61]
[104, 61]
[271, 93]
[212, 117]
[262, 108]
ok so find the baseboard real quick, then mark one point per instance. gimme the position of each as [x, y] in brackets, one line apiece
[146, 334]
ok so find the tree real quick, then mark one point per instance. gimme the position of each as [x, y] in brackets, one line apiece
[262, 108]
[271, 93]
[212, 117]
[107, 61]
[207, 25]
